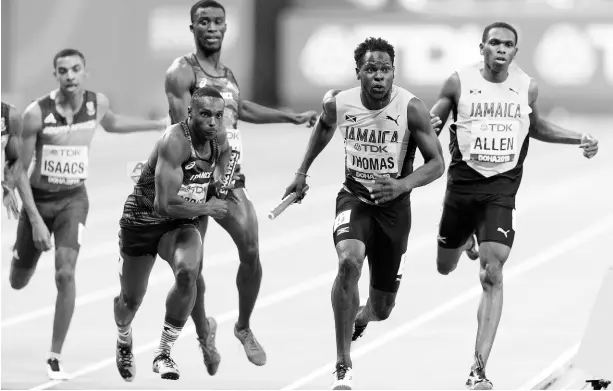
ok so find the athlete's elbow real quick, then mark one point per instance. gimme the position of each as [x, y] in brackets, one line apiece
[438, 166]
[161, 208]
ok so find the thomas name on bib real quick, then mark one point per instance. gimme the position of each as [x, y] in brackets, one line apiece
[371, 153]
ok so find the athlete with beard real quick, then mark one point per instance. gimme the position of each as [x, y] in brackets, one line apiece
[185, 75]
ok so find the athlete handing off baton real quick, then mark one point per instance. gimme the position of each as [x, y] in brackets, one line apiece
[287, 201]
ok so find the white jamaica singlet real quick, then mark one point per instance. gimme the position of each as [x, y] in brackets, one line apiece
[489, 137]
[376, 141]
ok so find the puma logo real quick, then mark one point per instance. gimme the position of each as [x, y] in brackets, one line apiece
[392, 119]
[511, 89]
[504, 232]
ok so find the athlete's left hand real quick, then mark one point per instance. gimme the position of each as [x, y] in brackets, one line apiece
[10, 202]
[308, 117]
[436, 123]
[589, 145]
[385, 190]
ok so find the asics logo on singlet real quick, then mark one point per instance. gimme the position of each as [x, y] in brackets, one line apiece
[505, 233]
[190, 165]
[392, 119]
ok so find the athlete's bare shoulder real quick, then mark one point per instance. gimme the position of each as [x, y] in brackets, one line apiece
[174, 146]
[180, 75]
[452, 86]
[32, 117]
[329, 107]
[329, 100]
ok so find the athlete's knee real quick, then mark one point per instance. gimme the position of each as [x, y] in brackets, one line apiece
[250, 250]
[186, 275]
[64, 276]
[130, 302]
[491, 272]
[20, 277]
[349, 268]
[382, 310]
[446, 261]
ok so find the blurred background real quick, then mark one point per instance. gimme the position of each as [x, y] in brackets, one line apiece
[290, 52]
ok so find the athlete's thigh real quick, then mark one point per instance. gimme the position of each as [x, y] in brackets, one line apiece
[387, 247]
[134, 272]
[353, 219]
[184, 246]
[241, 222]
[458, 220]
[497, 224]
[69, 223]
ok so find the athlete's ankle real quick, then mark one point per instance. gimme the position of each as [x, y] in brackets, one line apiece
[53, 355]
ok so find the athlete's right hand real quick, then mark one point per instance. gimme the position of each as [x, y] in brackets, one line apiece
[216, 208]
[41, 236]
[436, 123]
[297, 186]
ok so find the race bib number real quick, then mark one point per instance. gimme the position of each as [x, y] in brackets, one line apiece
[342, 219]
[65, 164]
[194, 192]
[494, 141]
[234, 139]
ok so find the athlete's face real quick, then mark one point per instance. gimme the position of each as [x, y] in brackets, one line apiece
[376, 74]
[499, 49]
[209, 28]
[206, 116]
[70, 73]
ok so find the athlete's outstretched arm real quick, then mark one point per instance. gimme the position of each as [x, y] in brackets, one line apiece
[179, 79]
[546, 131]
[172, 152]
[117, 123]
[32, 126]
[257, 114]
[320, 137]
[446, 102]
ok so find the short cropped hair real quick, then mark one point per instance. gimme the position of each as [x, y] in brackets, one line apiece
[67, 53]
[204, 92]
[372, 45]
[204, 4]
[494, 25]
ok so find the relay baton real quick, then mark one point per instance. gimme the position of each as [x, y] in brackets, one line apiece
[287, 201]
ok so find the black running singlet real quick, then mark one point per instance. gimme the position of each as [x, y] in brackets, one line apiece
[197, 174]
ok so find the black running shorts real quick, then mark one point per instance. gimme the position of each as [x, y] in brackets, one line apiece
[490, 216]
[141, 240]
[383, 230]
[64, 213]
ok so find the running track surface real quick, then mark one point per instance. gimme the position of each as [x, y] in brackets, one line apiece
[564, 222]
